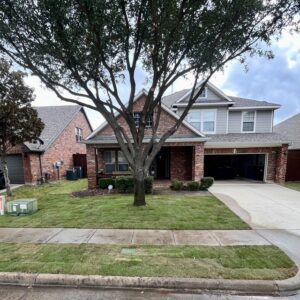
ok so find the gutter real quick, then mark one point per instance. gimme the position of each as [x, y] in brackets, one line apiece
[213, 145]
[171, 140]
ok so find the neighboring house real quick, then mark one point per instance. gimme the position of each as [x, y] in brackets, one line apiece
[224, 137]
[65, 127]
[291, 129]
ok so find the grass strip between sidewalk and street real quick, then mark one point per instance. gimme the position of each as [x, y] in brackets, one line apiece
[58, 208]
[230, 262]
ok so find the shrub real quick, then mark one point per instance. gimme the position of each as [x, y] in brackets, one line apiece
[206, 182]
[149, 185]
[105, 182]
[193, 186]
[125, 184]
[176, 185]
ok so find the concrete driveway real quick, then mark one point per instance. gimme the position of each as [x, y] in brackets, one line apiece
[273, 211]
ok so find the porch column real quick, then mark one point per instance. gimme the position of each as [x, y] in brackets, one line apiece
[198, 162]
[281, 164]
[91, 166]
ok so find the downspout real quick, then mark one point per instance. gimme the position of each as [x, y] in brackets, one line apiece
[41, 168]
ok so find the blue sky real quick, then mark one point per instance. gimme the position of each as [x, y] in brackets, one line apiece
[276, 80]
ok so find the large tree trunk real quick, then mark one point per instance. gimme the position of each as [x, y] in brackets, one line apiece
[139, 189]
[6, 178]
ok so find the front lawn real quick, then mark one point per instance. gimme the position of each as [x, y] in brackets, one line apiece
[238, 262]
[58, 208]
[295, 185]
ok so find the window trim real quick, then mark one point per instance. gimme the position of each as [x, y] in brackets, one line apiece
[146, 121]
[78, 134]
[242, 121]
[201, 121]
[116, 158]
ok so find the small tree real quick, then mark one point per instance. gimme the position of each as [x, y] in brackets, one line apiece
[19, 122]
[85, 50]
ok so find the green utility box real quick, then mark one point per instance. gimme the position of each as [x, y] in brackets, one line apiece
[22, 206]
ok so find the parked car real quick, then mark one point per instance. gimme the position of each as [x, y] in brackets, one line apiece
[2, 181]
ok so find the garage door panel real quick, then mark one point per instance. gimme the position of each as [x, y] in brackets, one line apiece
[15, 169]
[250, 166]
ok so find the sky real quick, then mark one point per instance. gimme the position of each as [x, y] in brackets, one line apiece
[276, 80]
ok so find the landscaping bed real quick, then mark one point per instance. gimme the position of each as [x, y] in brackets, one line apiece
[59, 208]
[236, 262]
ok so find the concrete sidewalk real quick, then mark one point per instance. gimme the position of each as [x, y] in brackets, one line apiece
[131, 237]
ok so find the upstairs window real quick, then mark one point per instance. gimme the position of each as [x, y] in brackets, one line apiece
[203, 93]
[203, 120]
[78, 134]
[209, 120]
[248, 120]
[137, 120]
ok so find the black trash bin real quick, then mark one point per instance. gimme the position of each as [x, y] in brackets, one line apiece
[71, 174]
[79, 172]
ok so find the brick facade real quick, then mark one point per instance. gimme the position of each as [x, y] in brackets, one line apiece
[166, 121]
[62, 149]
[186, 158]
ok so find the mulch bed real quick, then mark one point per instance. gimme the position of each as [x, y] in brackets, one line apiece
[91, 193]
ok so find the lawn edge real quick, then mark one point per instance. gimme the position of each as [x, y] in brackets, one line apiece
[285, 287]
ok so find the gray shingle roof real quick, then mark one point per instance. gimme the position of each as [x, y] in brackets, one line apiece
[56, 119]
[237, 139]
[291, 129]
[170, 99]
[244, 102]
[238, 101]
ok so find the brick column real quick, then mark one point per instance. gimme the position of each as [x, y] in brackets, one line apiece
[91, 166]
[281, 164]
[198, 162]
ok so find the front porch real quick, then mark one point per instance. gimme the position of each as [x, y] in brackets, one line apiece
[174, 161]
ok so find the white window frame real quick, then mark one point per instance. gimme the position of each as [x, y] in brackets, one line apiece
[78, 134]
[201, 121]
[242, 121]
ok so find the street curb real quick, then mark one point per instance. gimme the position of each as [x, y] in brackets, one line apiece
[253, 287]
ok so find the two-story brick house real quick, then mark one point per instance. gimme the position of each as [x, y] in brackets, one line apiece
[222, 136]
[65, 127]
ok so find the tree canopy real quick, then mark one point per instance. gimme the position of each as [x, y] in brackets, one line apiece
[85, 50]
[19, 122]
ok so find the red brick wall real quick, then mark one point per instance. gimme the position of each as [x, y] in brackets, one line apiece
[62, 149]
[181, 162]
[166, 121]
[276, 167]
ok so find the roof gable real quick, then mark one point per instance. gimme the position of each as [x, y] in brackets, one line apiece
[214, 94]
[103, 127]
[290, 128]
[56, 119]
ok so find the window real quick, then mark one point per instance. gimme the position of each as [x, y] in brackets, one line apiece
[78, 134]
[194, 118]
[110, 161]
[248, 119]
[203, 120]
[204, 93]
[114, 161]
[137, 120]
[208, 119]
[122, 163]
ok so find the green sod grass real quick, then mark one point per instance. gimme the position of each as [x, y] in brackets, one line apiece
[58, 208]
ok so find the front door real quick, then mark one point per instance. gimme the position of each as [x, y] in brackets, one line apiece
[160, 167]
